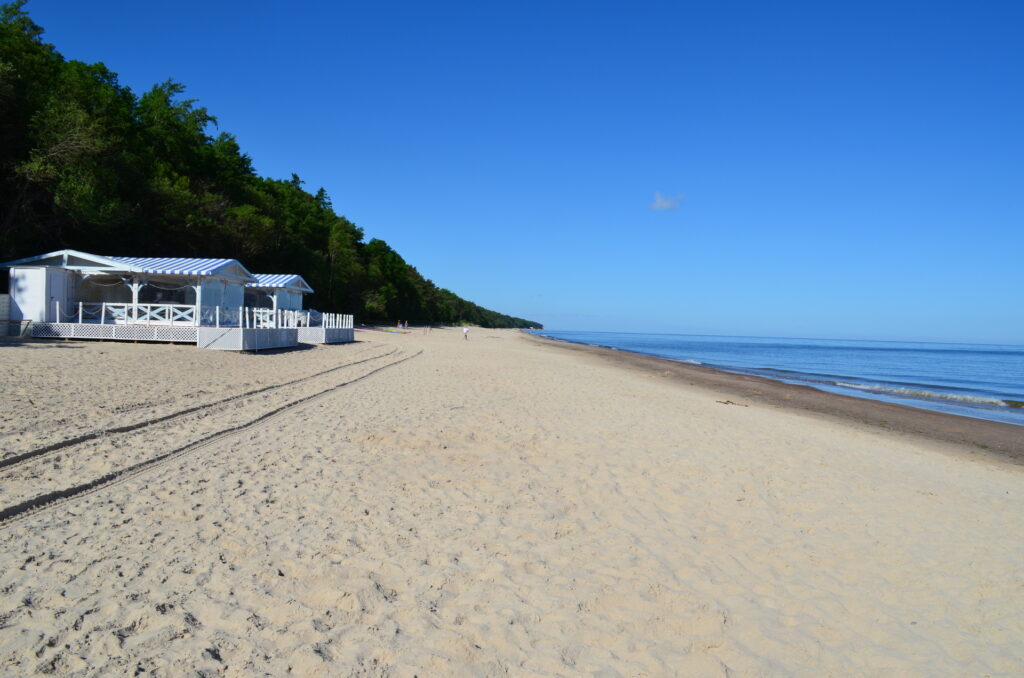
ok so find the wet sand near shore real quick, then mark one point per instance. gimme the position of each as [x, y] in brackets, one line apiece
[421, 505]
[974, 437]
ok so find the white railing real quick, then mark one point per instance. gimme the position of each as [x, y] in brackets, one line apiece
[108, 313]
[266, 317]
[165, 314]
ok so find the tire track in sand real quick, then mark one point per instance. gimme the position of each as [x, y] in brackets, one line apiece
[51, 500]
[13, 462]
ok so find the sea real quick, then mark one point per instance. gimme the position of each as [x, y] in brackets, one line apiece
[971, 380]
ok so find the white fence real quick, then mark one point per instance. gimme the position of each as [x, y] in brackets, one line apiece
[129, 332]
[242, 339]
[265, 317]
[108, 313]
[128, 314]
[179, 322]
[325, 335]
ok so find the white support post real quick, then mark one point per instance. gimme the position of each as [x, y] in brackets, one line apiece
[197, 320]
[135, 300]
[79, 313]
[103, 313]
[57, 302]
[216, 315]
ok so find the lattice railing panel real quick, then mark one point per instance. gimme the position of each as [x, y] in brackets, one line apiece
[117, 332]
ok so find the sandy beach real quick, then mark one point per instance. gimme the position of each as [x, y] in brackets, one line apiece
[420, 505]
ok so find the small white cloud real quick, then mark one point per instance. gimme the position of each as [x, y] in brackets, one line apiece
[665, 202]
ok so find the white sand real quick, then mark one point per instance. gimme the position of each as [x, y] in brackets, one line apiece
[490, 507]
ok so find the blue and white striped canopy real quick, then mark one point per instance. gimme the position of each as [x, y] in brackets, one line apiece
[93, 263]
[288, 281]
[176, 265]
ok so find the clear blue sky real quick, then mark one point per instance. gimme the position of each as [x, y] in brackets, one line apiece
[825, 169]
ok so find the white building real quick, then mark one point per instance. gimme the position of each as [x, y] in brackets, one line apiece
[215, 303]
[68, 285]
[283, 295]
[277, 291]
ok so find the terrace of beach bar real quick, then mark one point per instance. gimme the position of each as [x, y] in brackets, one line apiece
[72, 294]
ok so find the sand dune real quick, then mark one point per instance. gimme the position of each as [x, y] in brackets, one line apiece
[422, 505]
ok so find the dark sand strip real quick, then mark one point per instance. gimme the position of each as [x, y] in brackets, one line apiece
[974, 437]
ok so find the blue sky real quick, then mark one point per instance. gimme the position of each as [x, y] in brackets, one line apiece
[823, 169]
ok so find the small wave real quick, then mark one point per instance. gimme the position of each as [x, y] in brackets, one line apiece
[691, 361]
[977, 400]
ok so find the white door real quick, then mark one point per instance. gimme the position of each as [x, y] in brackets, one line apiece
[57, 281]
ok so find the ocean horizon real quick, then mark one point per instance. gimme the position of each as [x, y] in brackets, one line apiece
[982, 381]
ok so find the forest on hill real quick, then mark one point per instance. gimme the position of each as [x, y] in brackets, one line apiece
[86, 164]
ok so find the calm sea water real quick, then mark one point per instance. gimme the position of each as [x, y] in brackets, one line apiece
[971, 380]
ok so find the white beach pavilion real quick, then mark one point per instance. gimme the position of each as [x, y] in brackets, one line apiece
[72, 294]
[282, 295]
[277, 291]
[69, 286]
[215, 303]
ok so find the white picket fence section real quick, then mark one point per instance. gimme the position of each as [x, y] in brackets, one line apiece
[268, 318]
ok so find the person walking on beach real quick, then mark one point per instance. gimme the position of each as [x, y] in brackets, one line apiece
[465, 333]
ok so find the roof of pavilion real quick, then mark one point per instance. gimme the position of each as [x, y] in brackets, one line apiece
[285, 281]
[96, 264]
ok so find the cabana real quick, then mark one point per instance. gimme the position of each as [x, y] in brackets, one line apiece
[276, 291]
[74, 294]
[281, 295]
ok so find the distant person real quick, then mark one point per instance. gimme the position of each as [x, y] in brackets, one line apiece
[465, 333]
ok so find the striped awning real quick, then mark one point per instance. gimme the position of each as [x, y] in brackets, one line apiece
[175, 265]
[95, 264]
[285, 281]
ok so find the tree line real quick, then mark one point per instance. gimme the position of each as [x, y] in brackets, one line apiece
[86, 164]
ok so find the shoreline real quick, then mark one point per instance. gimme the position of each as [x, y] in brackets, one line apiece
[974, 437]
